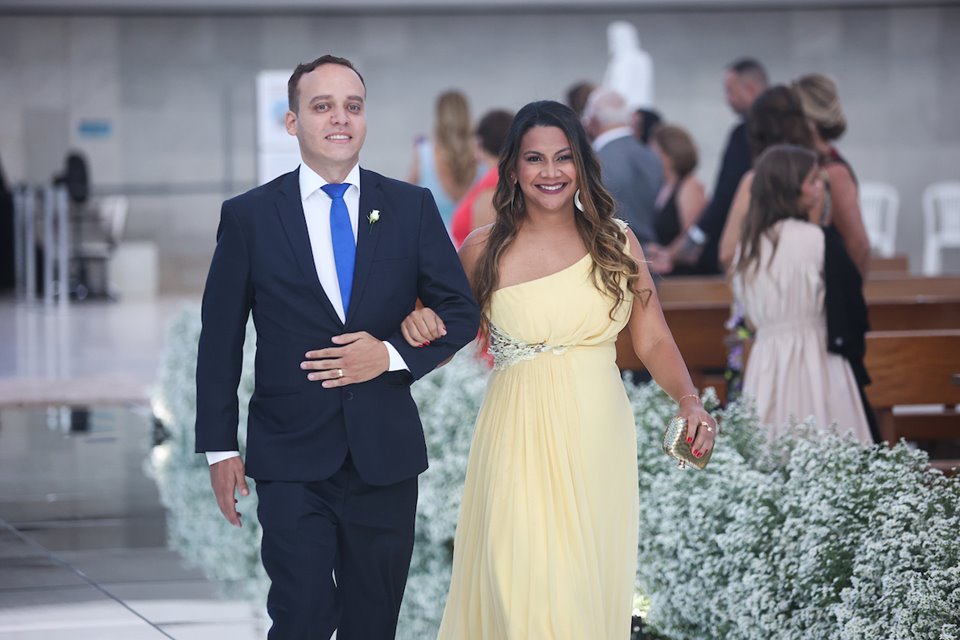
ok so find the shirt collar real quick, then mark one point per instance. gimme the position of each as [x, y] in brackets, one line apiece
[311, 181]
[607, 137]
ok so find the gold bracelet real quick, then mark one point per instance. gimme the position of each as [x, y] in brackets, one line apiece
[689, 395]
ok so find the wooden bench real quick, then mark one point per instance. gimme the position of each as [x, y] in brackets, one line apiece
[898, 263]
[696, 309]
[916, 368]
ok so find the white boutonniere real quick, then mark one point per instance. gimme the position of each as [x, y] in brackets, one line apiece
[373, 218]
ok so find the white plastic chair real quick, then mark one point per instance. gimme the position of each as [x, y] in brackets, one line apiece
[99, 246]
[941, 215]
[879, 206]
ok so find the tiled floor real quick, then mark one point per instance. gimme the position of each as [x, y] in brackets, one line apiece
[82, 532]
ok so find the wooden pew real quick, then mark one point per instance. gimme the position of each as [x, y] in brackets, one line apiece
[898, 263]
[916, 368]
[696, 309]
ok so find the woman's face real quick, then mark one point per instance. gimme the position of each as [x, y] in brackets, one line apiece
[811, 191]
[546, 172]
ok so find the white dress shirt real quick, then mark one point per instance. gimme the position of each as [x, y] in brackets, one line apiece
[316, 209]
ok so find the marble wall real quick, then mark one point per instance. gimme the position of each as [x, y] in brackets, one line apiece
[177, 92]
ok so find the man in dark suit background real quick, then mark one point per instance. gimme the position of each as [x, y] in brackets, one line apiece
[698, 250]
[329, 259]
[630, 171]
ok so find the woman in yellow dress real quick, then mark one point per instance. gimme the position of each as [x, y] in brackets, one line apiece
[546, 544]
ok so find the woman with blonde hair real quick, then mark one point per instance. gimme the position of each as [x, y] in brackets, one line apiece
[447, 165]
[821, 104]
[546, 545]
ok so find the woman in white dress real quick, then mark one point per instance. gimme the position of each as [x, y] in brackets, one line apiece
[778, 278]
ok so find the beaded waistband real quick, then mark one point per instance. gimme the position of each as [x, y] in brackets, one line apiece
[508, 351]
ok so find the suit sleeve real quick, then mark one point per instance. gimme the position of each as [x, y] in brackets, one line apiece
[442, 286]
[227, 299]
[736, 162]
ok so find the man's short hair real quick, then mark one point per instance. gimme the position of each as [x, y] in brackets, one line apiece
[749, 68]
[293, 90]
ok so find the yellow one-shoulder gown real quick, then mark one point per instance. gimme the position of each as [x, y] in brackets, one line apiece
[546, 544]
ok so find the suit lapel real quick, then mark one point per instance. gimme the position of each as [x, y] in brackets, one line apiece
[368, 235]
[290, 211]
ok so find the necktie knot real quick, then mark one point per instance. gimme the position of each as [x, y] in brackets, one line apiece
[335, 190]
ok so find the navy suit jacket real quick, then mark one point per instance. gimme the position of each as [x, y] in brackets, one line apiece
[632, 174]
[737, 160]
[263, 263]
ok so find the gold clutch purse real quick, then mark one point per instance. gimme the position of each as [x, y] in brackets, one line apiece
[675, 445]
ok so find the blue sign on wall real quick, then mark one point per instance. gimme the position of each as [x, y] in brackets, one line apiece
[94, 128]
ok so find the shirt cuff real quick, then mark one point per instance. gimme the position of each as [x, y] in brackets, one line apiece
[696, 234]
[397, 363]
[213, 457]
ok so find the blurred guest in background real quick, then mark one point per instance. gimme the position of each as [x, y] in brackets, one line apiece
[630, 171]
[821, 104]
[778, 276]
[775, 118]
[476, 208]
[446, 165]
[7, 267]
[578, 94]
[743, 81]
[682, 197]
[644, 122]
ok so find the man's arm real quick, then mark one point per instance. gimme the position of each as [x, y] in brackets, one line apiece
[226, 305]
[736, 162]
[443, 287]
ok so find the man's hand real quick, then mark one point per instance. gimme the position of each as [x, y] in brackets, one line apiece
[362, 357]
[226, 477]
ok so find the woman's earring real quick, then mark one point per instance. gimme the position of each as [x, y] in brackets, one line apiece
[576, 200]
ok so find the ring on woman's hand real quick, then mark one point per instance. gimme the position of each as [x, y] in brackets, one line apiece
[339, 373]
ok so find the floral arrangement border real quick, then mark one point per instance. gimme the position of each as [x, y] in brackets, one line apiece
[815, 536]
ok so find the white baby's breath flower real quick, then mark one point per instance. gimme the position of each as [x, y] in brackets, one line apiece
[814, 537]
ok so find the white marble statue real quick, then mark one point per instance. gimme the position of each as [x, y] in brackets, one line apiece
[630, 70]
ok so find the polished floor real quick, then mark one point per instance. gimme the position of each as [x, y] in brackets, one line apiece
[82, 532]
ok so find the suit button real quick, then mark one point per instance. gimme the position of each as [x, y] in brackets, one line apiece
[348, 395]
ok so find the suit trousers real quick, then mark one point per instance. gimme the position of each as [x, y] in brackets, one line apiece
[337, 553]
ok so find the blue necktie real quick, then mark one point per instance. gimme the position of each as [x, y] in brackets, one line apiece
[344, 244]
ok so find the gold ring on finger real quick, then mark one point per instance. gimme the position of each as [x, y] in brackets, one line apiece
[339, 373]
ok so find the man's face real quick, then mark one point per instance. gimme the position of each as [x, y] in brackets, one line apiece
[740, 93]
[330, 123]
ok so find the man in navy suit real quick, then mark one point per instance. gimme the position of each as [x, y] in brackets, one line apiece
[329, 259]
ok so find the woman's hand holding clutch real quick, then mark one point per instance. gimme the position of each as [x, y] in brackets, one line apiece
[689, 437]
[701, 427]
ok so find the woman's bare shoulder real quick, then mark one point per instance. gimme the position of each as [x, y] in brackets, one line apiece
[474, 245]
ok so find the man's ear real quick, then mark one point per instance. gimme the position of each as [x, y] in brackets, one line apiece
[290, 120]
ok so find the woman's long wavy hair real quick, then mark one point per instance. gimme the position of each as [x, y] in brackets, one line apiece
[774, 196]
[603, 237]
[453, 134]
